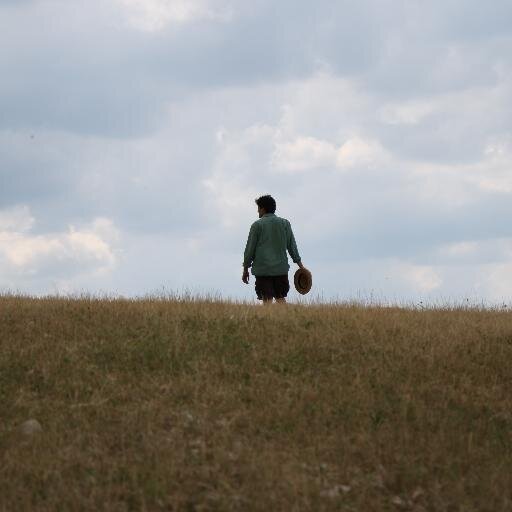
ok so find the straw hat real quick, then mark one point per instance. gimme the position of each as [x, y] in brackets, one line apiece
[303, 280]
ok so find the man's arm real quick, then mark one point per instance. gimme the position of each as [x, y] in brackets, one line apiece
[292, 247]
[250, 251]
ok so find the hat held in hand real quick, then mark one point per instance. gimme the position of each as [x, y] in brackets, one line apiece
[303, 280]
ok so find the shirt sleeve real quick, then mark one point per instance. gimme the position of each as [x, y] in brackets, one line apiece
[292, 245]
[250, 246]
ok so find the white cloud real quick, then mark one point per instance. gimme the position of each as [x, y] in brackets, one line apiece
[325, 106]
[459, 249]
[93, 243]
[496, 281]
[16, 219]
[423, 278]
[155, 15]
[494, 173]
[304, 153]
[475, 252]
[408, 112]
[89, 249]
[233, 184]
[309, 153]
[462, 184]
[357, 152]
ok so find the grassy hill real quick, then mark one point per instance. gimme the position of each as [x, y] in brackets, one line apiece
[190, 405]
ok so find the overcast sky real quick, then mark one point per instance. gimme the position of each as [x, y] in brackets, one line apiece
[136, 134]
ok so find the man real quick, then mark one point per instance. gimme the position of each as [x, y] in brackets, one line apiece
[269, 239]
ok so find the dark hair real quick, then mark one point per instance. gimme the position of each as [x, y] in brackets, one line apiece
[267, 202]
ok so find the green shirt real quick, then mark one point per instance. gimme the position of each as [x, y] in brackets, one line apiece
[269, 239]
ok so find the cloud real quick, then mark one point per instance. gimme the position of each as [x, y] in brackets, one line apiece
[155, 15]
[234, 182]
[304, 153]
[309, 154]
[356, 152]
[494, 173]
[410, 112]
[496, 282]
[423, 278]
[88, 250]
[387, 206]
[480, 252]
[16, 219]
[382, 130]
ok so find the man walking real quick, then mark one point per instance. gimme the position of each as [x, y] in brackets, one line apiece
[269, 239]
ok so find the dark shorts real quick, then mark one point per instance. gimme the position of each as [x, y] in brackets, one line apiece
[269, 287]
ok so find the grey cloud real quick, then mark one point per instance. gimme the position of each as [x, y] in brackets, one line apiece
[14, 3]
[383, 214]
[67, 179]
[125, 126]
[472, 20]
[32, 169]
[90, 76]
[380, 213]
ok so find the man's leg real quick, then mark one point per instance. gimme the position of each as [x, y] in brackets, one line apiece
[281, 288]
[264, 289]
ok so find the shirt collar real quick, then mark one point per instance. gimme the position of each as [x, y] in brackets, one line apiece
[269, 214]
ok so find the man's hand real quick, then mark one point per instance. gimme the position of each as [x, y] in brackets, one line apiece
[301, 265]
[245, 276]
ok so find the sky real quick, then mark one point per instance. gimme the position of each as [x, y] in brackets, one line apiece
[136, 134]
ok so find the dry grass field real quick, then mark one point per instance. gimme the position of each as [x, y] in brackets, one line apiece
[197, 405]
